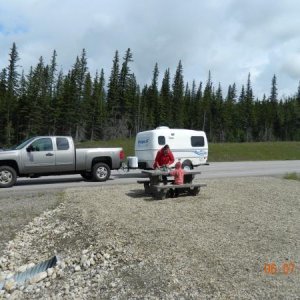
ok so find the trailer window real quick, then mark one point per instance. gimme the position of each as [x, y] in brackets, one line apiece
[197, 141]
[161, 140]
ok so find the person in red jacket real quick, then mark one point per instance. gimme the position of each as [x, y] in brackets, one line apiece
[178, 174]
[164, 157]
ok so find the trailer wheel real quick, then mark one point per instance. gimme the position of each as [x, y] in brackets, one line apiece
[8, 176]
[187, 165]
[101, 172]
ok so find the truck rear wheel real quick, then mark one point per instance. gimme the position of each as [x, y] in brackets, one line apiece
[8, 176]
[101, 172]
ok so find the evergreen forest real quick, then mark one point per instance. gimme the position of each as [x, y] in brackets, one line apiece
[47, 101]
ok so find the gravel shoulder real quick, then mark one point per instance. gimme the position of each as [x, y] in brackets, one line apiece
[116, 243]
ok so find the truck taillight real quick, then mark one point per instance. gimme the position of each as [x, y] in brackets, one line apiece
[122, 155]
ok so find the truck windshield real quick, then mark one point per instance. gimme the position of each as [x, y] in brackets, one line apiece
[23, 144]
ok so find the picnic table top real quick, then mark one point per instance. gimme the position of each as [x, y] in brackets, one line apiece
[161, 172]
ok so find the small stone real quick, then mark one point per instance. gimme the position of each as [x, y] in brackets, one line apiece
[106, 256]
[62, 265]
[92, 262]
[48, 284]
[83, 259]
[50, 271]
[22, 268]
[77, 268]
[10, 286]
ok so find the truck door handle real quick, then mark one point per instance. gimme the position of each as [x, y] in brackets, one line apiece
[49, 154]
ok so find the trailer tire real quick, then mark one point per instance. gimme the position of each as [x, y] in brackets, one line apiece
[8, 176]
[187, 165]
[101, 172]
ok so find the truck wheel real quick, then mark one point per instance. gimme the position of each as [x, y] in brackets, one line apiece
[8, 176]
[101, 172]
[187, 165]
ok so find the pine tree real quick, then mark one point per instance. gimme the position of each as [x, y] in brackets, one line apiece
[177, 98]
[230, 114]
[165, 99]
[154, 102]
[10, 100]
[113, 91]
[205, 106]
[124, 81]
[3, 95]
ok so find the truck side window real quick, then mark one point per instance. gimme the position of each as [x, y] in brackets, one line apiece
[62, 144]
[197, 141]
[161, 140]
[44, 144]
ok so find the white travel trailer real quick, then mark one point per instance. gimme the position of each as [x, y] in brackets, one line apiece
[188, 146]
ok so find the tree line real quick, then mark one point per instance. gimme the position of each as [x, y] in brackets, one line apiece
[48, 102]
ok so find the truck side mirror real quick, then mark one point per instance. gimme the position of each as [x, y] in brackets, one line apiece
[29, 148]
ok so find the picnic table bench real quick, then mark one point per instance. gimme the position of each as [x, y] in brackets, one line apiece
[160, 188]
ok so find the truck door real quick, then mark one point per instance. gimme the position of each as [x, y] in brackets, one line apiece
[39, 156]
[65, 155]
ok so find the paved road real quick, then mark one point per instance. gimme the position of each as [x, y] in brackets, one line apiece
[214, 170]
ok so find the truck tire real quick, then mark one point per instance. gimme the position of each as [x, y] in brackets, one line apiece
[8, 176]
[101, 172]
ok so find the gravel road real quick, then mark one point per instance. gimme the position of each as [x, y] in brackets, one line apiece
[116, 243]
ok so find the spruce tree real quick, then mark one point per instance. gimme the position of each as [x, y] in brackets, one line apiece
[165, 99]
[113, 91]
[177, 98]
[10, 100]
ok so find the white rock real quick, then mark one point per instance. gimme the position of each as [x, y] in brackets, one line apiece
[50, 271]
[77, 268]
[10, 285]
[22, 268]
[83, 259]
[106, 256]
[92, 262]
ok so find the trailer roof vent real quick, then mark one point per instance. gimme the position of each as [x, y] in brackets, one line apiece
[162, 127]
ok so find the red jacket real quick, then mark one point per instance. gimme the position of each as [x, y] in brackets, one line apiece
[162, 159]
[178, 176]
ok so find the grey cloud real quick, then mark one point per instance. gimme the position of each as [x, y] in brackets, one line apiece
[231, 37]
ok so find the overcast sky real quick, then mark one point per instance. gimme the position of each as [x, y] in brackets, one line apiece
[229, 37]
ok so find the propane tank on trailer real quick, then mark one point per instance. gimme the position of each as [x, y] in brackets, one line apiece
[132, 162]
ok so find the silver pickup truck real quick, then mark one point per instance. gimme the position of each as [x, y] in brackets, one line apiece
[56, 155]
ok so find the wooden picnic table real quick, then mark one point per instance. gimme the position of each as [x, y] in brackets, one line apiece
[159, 187]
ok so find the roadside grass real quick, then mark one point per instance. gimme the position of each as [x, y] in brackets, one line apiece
[292, 176]
[254, 151]
[222, 151]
